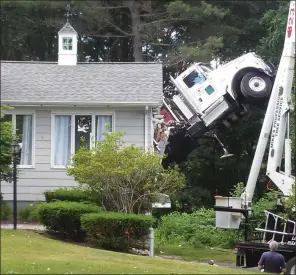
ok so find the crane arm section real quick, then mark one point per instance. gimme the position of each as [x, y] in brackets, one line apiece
[276, 122]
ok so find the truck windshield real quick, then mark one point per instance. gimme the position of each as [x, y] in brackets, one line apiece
[194, 78]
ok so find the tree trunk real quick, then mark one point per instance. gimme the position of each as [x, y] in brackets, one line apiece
[134, 7]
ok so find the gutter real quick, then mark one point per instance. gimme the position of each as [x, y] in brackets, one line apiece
[76, 104]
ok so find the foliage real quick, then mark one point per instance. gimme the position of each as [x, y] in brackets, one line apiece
[267, 202]
[6, 138]
[208, 175]
[237, 190]
[67, 194]
[64, 217]
[241, 29]
[196, 229]
[113, 230]
[5, 209]
[275, 22]
[29, 213]
[290, 204]
[124, 177]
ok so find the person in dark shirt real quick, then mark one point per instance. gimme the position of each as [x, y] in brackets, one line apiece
[272, 261]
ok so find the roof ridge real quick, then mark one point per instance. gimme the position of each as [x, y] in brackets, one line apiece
[55, 62]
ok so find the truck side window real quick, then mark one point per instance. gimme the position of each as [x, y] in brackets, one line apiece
[194, 78]
[209, 89]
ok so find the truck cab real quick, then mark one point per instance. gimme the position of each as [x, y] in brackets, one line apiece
[207, 96]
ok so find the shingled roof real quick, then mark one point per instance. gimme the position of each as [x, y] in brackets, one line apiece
[67, 28]
[44, 83]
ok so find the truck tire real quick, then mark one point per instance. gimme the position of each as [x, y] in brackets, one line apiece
[291, 266]
[256, 86]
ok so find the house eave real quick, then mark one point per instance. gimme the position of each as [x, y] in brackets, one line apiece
[81, 104]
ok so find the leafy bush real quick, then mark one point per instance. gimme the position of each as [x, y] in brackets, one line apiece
[67, 194]
[237, 190]
[115, 230]
[125, 177]
[289, 204]
[64, 217]
[28, 213]
[5, 209]
[267, 202]
[196, 229]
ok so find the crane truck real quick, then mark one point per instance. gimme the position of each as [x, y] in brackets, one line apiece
[204, 98]
[230, 211]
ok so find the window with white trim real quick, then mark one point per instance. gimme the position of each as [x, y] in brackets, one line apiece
[70, 132]
[23, 128]
[67, 43]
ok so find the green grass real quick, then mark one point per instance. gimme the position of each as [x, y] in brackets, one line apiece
[27, 252]
[196, 254]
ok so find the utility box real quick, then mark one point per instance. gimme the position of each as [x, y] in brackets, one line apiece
[225, 219]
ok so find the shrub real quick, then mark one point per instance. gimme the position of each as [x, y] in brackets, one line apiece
[64, 217]
[5, 209]
[29, 213]
[196, 229]
[67, 194]
[115, 230]
[125, 177]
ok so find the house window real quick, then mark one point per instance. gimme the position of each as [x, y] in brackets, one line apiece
[67, 43]
[73, 131]
[103, 125]
[23, 128]
[62, 138]
[82, 131]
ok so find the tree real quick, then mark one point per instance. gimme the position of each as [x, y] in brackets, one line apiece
[274, 22]
[6, 138]
[290, 204]
[242, 29]
[124, 177]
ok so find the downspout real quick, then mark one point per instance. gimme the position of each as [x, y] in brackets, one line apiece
[146, 129]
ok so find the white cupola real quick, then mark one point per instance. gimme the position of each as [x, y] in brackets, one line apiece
[67, 45]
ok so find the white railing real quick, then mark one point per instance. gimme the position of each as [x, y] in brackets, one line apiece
[278, 221]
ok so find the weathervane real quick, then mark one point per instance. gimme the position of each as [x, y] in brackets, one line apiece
[68, 11]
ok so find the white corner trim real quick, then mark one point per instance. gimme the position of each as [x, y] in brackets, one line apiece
[146, 127]
[51, 140]
[151, 131]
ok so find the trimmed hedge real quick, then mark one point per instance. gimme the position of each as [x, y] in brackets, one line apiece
[67, 194]
[64, 217]
[115, 230]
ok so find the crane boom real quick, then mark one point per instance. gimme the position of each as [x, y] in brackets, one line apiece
[276, 122]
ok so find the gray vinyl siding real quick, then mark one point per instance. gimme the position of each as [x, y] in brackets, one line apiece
[33, 182]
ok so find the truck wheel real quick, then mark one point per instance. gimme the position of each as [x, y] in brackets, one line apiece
[291, 266]
[256, 86]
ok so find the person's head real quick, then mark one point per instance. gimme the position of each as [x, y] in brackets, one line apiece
[273, 245]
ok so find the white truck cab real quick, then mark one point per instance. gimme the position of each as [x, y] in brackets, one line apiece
[207, 96]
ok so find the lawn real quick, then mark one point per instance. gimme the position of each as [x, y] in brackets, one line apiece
[27, 252]
[196, 254]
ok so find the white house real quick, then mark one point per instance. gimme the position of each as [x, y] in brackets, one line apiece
[57, 103]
